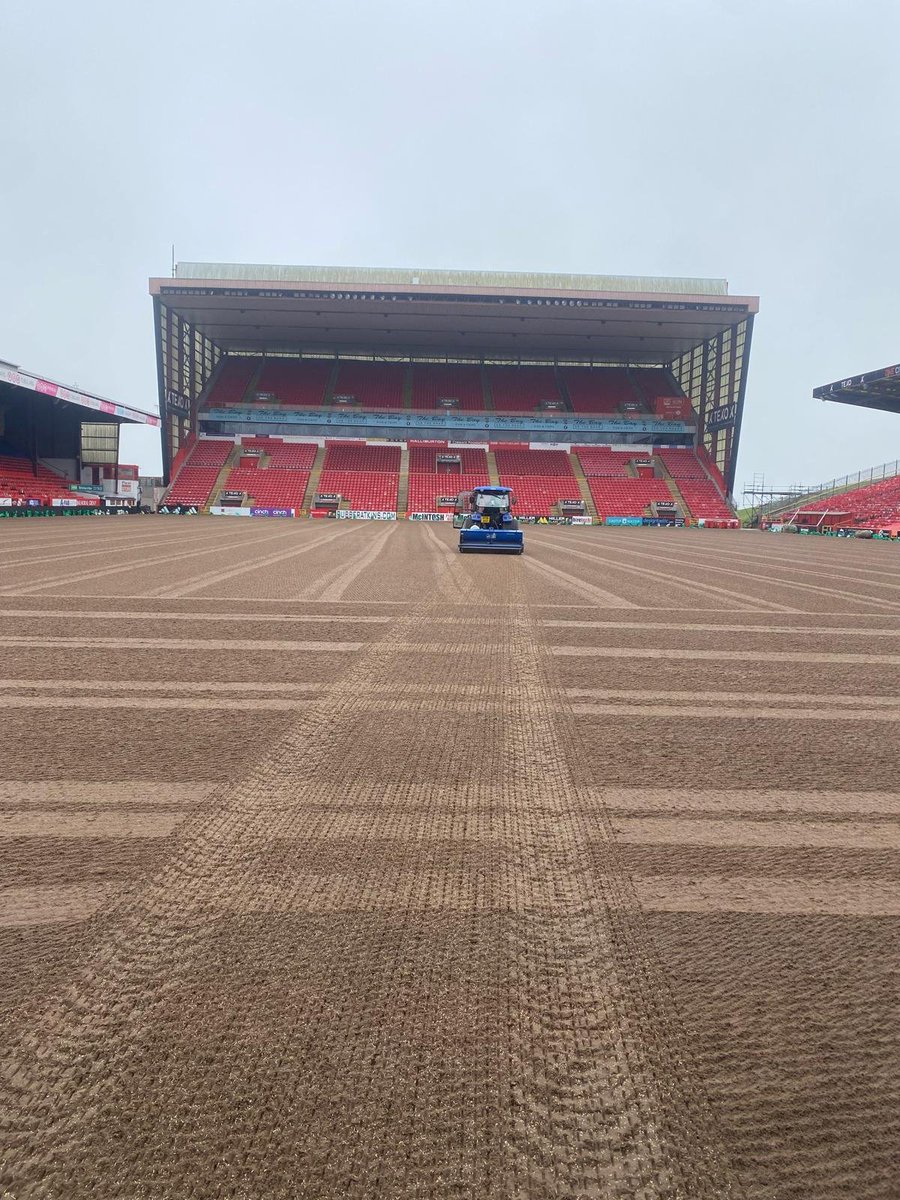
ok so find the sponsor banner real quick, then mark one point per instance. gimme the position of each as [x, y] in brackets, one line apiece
[722, 417]
[177, 401]
[352, 514]
[623, 521]
[5, 501]
[271, 512]
[220, 510]
[35, 384]
[581, 521]
[91, 488]
[445, 420]
[73, 502]
[178, 510]
[425, 516]
[668, 522]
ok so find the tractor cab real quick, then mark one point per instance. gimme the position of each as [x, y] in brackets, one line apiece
[485, 520]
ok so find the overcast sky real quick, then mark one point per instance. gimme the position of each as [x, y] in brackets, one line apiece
[755, 141]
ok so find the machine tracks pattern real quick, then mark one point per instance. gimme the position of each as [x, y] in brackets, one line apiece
[444, 926]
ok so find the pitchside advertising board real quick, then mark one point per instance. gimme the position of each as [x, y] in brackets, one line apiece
[221, 510]
[364, 515]
[426, 516]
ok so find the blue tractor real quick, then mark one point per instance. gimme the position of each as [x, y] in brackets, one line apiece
[486, 524]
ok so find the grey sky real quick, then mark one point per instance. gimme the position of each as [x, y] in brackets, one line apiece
[755, 141]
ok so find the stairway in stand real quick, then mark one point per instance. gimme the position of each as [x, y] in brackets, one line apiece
[673, 487]
[493, 473]
[230, 461]
[403, 484]
[249, 396]
[313, 484]
[583, 487]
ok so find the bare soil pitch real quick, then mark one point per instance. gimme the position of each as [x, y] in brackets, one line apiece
[334, 863]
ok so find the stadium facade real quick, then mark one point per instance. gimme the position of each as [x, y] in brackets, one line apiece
[562, 329]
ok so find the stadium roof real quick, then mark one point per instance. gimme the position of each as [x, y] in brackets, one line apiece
[875, 389]
[466, 314]
[19, 378]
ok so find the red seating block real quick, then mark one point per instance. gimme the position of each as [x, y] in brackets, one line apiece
[375, 385]
[432, 382]
[372, 490]
[424, 489]
[232, 381]
[293, 456]
[533, 462]
[521, 389]
[296, 381]
[602, 460]
[626, 497]
[598, 389]
[537, 496]
[357, 456]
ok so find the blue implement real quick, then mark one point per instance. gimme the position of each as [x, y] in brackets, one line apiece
[491, 541]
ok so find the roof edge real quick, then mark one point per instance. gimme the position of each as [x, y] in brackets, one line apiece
[413, 277]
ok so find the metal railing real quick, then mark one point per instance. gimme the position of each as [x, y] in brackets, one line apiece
[844, 483]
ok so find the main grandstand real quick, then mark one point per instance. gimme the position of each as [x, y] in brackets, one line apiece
[295, 390]
[59, 447]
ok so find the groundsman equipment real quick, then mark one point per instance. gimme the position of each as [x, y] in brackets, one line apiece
[486, 524]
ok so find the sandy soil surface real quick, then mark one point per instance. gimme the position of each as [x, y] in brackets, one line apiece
[336, 864]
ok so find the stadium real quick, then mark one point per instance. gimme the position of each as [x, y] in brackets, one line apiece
[338, 864]
[389, 391]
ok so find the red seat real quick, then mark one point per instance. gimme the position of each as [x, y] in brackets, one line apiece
[433, 382]
[373, 385]
[232, 381]
[521, 389]
[598, 389]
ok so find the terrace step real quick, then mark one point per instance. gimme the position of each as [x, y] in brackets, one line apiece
[589, 506]
[486, 390]
[403, 484]
[252, 387]
[231, 461]
[328, 398]
[676, 493]
[312, 485]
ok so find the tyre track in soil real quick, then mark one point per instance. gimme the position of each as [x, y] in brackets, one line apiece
[791, 569]
[611, 565]
[121, 546]
[815, 568]
[782, 584]
[573, 1082]
[76, 577]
